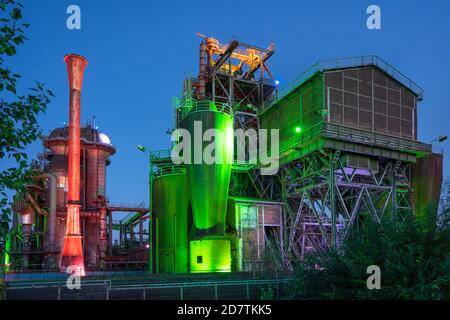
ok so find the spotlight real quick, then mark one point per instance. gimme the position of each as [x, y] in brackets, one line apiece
[141, 147]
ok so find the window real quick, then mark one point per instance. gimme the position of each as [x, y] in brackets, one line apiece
[62, 183]
[248, 217]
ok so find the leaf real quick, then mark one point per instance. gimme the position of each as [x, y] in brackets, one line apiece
[16, 14]
[18, 40]
[18, 118]
[11, 88]
[10, 50]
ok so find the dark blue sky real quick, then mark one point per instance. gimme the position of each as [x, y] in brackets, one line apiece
[140, 51]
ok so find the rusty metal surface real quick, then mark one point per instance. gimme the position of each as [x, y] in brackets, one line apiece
[72, 252]
[370, 99]
[426, 177]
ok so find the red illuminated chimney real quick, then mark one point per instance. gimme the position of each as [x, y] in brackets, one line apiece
[73, 251]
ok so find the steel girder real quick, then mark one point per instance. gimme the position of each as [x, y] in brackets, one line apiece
[326, 199]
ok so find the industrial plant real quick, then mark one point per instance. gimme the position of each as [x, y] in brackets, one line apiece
[347, 153]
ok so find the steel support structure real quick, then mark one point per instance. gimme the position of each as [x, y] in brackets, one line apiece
[326, 200]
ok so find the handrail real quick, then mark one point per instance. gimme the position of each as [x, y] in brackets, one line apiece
[187, 106]
[201, 283]
[52, 284]
[160, 154]
[170, 285]
[169, 169]
[348, 62]
[127, 205]
[366, 136]
[328, 130]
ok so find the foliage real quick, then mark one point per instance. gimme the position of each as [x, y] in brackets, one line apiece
[414, 258]
[267, 293]
[443, 216]
[18, 112]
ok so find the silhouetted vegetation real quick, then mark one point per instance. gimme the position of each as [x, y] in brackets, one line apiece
[18, 116]
[18, 112]
[413, 256]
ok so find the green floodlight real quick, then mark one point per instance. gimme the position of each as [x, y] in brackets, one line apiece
[141, 147]
[298, 129]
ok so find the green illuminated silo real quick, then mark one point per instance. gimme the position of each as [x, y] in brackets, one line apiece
[7, 257]
[170, 206]
[209, 184]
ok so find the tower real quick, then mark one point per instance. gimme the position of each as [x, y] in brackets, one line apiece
[73, 252]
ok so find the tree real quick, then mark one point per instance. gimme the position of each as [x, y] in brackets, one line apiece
[18, 113]
[413, 256]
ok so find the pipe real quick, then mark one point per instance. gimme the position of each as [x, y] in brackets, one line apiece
[103, 232]
[202, 71]
[92, 191]
[50, 240]
[73, 251]
[51, 221]
[110, 247]
[26, 230]
[141, 234]
[25, 214]
[83, 214]
[35, 205]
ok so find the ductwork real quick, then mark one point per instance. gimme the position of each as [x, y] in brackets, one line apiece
[202, 74]
[50, 239]
[35, 205]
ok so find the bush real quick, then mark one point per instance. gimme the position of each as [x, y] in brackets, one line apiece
[413, 256]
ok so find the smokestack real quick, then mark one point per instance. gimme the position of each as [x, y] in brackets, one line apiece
[73, 252]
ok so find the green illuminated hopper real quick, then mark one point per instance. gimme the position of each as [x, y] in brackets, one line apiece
[170, 207]
[208, 183]
[208, 186]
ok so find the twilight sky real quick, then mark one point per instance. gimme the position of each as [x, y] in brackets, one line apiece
[140, 51]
